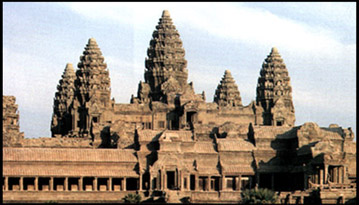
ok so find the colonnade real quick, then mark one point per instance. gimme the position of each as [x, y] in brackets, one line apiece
[51, 183]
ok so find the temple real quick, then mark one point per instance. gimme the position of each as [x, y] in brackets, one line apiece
[169, 144]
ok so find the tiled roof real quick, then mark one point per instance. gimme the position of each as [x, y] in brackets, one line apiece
[234, 145]
[204, 147]
[65, 171]
[73, 155]
[238, 169]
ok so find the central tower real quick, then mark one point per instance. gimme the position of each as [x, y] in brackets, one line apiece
[165, 58]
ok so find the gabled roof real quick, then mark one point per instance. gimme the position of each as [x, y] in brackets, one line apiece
[227, 145]
[68, 155]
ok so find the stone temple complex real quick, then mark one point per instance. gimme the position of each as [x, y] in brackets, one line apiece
[170, 144]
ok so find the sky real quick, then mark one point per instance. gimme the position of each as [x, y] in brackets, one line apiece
[317, 42]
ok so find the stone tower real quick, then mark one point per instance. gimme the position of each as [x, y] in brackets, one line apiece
[92, 89]
[10, 122]
[274, 92]
[227, 93]
[165, 60]
[61, 122]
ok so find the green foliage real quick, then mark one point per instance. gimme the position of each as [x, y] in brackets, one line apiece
[258, 196]
[132, 198]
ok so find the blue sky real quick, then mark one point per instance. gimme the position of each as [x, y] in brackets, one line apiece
[316, 40]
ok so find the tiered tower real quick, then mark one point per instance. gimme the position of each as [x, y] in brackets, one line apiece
[61, 122]
[165, 58]
[274, 92]
[227, 93]
[92, 87]
[10, 122]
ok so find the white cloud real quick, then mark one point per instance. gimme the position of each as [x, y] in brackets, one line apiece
[227, 20]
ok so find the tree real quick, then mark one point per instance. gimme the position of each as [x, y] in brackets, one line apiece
[132, 198]
[258, 196]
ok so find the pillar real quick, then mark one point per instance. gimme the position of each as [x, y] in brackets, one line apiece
[196, 181]
[176, 178]
[208, 183]
[81, 183]
[36, 184]
[140, 182]
[150, 184]
[6, 183]
[51, 183]
[109, 184]
[223, 183]
[335, 175]
[159, 180]
[239, 182]
[94, 183]
[181, 180]
[66, 184]
[21, 183]
[321, 178]
[124, 184]
[344, 174]
[188, 182]
[326, 173]
[164, 180]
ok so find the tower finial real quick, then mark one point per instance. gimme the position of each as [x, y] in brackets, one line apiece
[92, 41]
[165, 13]
[274, 50]
[69, 66]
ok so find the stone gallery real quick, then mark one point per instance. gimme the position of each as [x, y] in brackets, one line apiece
[169, 144]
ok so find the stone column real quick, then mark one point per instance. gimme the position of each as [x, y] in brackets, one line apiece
[196, 181]
[326, 173]
[188, 179]
[124, 184]
[66, 184]
[181, 178]
[81, 180]
[208, 183]
[51, 183]
[344, 174]
[140, 182]
[21, 183]
[6, 183]
[239, 182]
[109, 184]
[36, 184]
[150, 184]
[94, 184]
[176, 178]
[321, 178]
[335, 175]
[164, 180]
